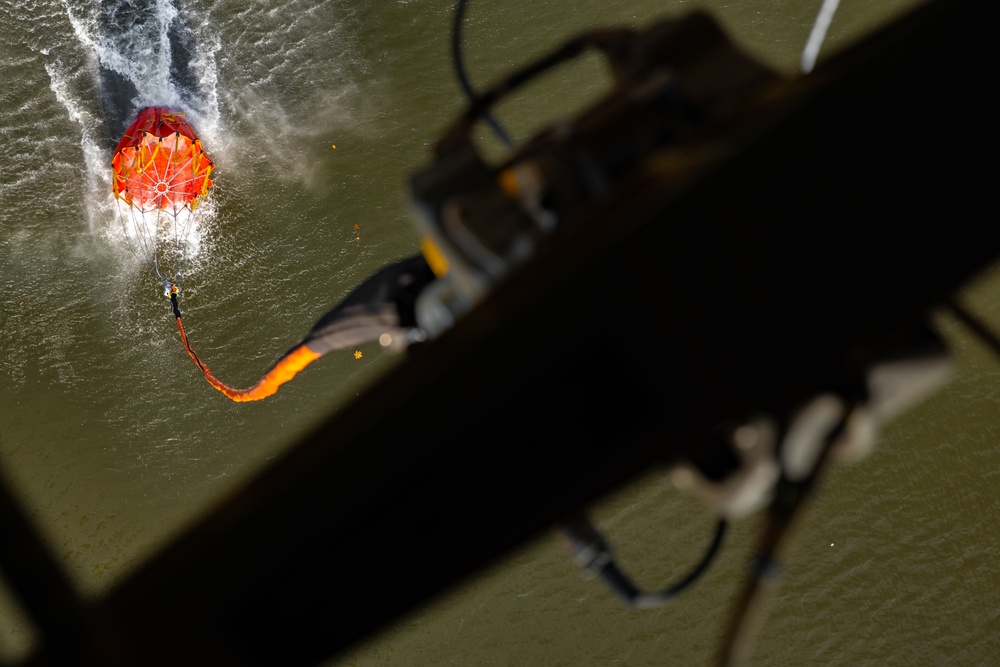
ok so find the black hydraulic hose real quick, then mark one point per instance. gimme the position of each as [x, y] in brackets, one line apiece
[463, 79]
[593, 553]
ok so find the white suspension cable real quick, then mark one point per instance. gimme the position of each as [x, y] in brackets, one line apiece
[818, 34]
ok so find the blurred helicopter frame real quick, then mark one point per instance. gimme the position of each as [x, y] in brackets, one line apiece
[838, 263]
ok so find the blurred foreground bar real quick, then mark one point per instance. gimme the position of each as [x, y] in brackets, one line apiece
[857, 203]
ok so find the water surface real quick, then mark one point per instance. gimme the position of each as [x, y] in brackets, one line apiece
[115, 443]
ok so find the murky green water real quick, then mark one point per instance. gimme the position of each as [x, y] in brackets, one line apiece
[115, 443]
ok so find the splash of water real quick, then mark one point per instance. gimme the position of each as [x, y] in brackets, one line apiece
[140, 53]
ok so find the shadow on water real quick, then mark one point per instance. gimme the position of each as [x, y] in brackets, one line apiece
[143, 32]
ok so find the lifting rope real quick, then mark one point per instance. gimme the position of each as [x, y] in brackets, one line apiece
[287, 367]
[160, 175]
[382, 306]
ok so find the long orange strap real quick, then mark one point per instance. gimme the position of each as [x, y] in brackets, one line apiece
[280, 373]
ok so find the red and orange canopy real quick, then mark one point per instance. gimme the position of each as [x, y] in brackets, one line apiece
[159, 162]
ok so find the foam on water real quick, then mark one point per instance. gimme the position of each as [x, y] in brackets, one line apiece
[130, 51]
[124, 56]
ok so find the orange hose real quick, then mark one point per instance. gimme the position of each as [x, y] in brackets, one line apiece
[280, 373]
